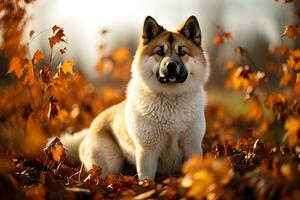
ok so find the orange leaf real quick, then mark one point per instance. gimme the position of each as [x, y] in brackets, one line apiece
[67, 66]
[57, 152]
[292, 126]
[29, 77]
[231, 65]
[284, 81]
[218, 39]
[37, 57]
[17, 65]
[290, 31]
[58, 37]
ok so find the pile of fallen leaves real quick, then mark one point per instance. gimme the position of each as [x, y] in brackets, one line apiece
[252, 155]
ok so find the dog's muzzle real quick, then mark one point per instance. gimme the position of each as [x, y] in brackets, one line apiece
[172, 72]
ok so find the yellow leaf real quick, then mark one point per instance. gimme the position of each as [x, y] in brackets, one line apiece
[292, 124]
[67, 66]
[37, 57]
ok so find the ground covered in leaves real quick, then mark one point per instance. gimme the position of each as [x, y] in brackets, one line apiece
[248, 155]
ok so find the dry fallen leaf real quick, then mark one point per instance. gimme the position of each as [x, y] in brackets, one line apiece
[290, 31]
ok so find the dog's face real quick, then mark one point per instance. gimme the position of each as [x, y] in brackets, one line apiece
[171, 61]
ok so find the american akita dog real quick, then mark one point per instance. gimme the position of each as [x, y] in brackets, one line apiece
[161, 123]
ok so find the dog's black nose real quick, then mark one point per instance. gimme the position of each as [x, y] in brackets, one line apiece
[171, 67]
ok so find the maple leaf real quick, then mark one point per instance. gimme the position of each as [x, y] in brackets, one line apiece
[17, 64]
[37, 57]
[57, 37]
[67, 66]
[290, 31]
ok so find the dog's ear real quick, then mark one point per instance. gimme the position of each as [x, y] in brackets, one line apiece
[191, 30]
[150, 29]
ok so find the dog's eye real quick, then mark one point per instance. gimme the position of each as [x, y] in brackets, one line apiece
[181, 53]
[160, 52]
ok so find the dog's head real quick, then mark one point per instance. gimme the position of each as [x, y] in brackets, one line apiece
[171, 61]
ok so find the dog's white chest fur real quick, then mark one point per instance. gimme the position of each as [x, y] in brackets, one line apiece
[162, 123]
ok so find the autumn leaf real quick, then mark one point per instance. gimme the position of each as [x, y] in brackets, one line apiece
[231, 65]
[293, 61]
[290, 31]
[17, 65]
[284, 81]
[292, 126]
[67, 66]
[57, 37]
[29, 76]
[205, 178]
[37, 57]
[55, 28]
[56, 149]
[218, 40]
[57, 152]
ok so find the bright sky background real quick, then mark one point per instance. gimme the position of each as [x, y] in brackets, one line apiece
[82, 21]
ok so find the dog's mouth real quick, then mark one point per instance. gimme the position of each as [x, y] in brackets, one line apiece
[174, 78]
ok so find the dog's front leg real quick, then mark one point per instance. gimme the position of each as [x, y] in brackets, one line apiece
[146, 162]
[192, 141]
